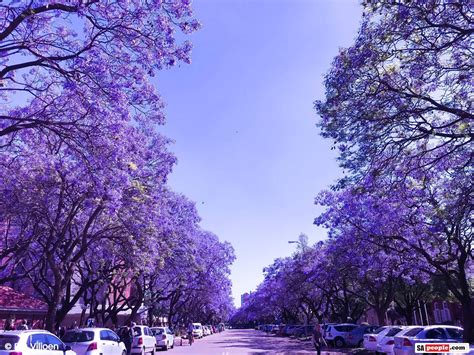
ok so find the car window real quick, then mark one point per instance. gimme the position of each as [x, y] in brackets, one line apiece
[158, 331]
[112, 336]
[436, 333]
[147, 331]
[78, 337]
[394, 331]
[378, 330]
[413, 332]
[104, 335]
[454, 333]
[36, 341]
[9, 341]
[137, 331]
[54, 342]
[345, 328]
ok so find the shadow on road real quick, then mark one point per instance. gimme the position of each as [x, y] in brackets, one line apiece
[260, 343]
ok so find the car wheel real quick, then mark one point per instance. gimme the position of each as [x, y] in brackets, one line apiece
[153, 352]
[360, 344]
[339, 343]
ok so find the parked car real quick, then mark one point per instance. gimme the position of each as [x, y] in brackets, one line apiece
[143, 340]
[164, 337]
[325, 327]
[288, 330]
[92, 341]
[336, 334]
[356, 336]
[205, 330]
[371, 339]
[198, 331]
[405, 343]
[303, 331]
[385, 343]
[32, 342]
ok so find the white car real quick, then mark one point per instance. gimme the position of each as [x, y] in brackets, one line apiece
[205, 330]
[405, 342]
[371, 340]
[94, 341]
[164, 337]
[337, 333]
[144, 341]
[198, 331]
[32, 342]
[385, 344]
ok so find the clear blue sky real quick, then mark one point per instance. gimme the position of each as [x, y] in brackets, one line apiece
[242, 117]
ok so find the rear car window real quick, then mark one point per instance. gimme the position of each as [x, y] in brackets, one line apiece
[413, 332]
[137, 331]
[394, 331]
[378, 330]
[345, 328]
[78, 337]
[8, 339]
[436, 333]
[157, 331]
[454, 333]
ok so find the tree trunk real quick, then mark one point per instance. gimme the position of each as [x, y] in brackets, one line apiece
[50, 319]
[380, 315]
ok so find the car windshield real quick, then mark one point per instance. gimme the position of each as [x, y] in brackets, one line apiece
[157, 331]
[197, 327]
[394, 331]
[8, 339]
[78, 337]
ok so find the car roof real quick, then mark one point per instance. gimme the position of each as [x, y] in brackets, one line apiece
[90, 329]
[18, 332]
[442, 326]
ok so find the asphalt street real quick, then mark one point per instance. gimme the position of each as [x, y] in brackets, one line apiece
[244, 341]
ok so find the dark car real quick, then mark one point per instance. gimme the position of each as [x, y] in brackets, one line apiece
[356, 336]
[303, 331]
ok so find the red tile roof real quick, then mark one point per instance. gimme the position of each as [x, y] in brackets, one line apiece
[14, 300]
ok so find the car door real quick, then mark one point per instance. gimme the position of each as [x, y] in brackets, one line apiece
[55, 345]
[149, 339]
[39, 344]
[114, 342]
[105, 344]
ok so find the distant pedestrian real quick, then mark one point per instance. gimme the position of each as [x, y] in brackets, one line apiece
[318, 339]
[9, 324]
[23, 325]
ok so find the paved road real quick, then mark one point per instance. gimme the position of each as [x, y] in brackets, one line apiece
[248, 341]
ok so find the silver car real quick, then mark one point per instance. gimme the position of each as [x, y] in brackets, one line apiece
[94, 341]
[32, 342]
[404, 344]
